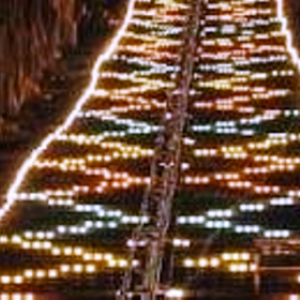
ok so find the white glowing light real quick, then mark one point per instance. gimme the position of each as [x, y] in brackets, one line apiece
[174, 293]
[287, 33]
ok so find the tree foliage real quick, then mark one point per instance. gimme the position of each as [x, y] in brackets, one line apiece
[32, 34]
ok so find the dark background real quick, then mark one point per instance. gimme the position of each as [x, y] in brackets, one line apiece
[292, 9]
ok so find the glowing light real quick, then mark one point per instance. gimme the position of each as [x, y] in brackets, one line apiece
[214, 262]
[18, 279]
[174, 293]
[203, 263]
[287, 33]
[235, 76]
[65, 268]
[53, 273]
[40, 274]
[28, 273]
[90, 268]
[188, 263]
[5, 279]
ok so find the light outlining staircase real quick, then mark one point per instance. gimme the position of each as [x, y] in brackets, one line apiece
[146, 280]
[73, 205]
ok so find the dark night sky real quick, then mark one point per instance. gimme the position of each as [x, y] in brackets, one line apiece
[292, 8]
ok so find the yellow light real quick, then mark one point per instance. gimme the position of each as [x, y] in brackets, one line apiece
[226, 256]
[52, 273]
[203, 262]
[47, 245]
[78, 251]
[234, 268]
[78, 268]
[5, 279]
[245, 256]
[16, 297]
[243, 268]
[56, 251]
[88, 256]
[235, 256]
[189, 263]
[174, 293]
[18, 279]
[65, 268]
[253, 267]
[98, 257]
[20, 297]
[68, 251]
[112, 263]
[108, 256]
[26, 245]
[214, 262]
[3, 239]
[123, 263]
[40, 274]
[16, 239]
[28, 273]
[36, 245]
[90, 268]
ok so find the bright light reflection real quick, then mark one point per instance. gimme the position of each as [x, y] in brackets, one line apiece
[174, 293]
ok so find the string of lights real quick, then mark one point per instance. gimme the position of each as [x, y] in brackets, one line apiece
[239, 155]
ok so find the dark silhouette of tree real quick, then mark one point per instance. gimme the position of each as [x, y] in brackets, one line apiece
[33, 34]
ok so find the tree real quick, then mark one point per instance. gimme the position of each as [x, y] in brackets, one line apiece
[32, 34]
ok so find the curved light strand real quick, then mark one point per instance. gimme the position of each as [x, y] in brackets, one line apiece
[11, 195]
[289, 40]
